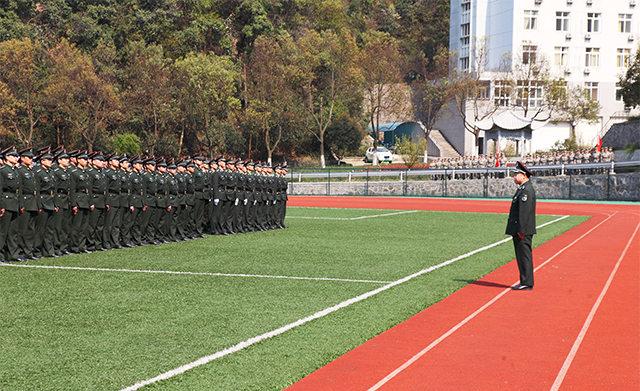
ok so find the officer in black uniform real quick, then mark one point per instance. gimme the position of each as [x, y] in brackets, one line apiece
[149, 215]
[95, 236]
[137, 201]
[173, 203]
[522, 225]
[9, 205]
[128, 211]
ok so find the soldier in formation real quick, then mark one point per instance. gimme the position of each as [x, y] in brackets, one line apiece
[55, 203]
[546, 159]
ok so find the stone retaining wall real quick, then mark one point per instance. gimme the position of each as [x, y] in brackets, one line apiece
[616, 187]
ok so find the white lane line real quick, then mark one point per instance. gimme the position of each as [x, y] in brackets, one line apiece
[473, 315]
[195, 273]
[587, 323]
[317, 315]
[352, 218]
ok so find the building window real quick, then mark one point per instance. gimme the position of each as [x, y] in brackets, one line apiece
[529, 93]
[592, 57]
[591, 90]
[593, 22]
[624, 23]
[464, 53]
[529, 54]
[530, 20]
[464, 63]
[465, 29]
[623, 58]
[562, 21]
[618, 93]
[501, 93]
[561, 57]
[484, 89]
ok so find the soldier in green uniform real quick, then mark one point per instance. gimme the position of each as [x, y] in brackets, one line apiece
[29, 205]
[81, 204]
[126, 207]
[241, 179]
[183, 211]
[113, 216]
[9, 205]
[215, 195]
[189, 215]
[149, 216]
[173, 203]
[137, 201]
[44, 226]
[95, 237]
[201, 195]
[232, 200]
[62, 218]
[250, 209]
[522, 225]
[163, 202]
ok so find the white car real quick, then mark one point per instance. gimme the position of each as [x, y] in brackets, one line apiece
[384, 155]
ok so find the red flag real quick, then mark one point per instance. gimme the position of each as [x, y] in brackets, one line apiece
[599, 142]
[498, 155]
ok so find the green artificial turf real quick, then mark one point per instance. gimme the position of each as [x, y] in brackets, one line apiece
[65, 329]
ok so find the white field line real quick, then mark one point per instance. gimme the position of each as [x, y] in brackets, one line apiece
[352, 218]
[195, 273]
[473, 315]
[317, 315]
[587, 323]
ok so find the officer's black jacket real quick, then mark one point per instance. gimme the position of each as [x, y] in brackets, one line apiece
[522, 215]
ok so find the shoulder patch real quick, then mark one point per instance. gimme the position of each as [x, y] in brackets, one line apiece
[524, 198]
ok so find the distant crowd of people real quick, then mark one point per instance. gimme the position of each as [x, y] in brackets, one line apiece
[54, 202]
[546, 159]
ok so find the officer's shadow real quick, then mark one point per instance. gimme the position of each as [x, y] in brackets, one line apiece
[484, 283]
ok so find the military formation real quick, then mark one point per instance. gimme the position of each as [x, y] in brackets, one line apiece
[56, 203]
[547, 159]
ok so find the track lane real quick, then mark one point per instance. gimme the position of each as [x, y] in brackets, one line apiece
[520, 341]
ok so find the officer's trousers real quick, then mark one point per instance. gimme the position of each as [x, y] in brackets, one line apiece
[9, 235]
[524, 258]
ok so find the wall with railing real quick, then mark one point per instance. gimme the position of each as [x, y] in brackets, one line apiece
[614, 181]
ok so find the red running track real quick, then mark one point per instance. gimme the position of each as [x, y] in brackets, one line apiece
[579, 329]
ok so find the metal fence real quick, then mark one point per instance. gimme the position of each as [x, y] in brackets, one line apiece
[597, 181]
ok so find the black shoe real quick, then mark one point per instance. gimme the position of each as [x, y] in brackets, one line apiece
[54, 256]
[131, 245]
[144, 244]
[22, 259]
[522, 288]
[156, 242]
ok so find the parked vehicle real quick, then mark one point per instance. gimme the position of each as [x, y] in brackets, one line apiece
[384, 155]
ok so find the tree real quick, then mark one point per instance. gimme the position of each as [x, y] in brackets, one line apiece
[89, 102]
[344, 136]
[411, 151]
[431, 91]
[470, 90]
[208, 94]
[269, 92]
[325, 75]
[148, 91]
[575, 105]
[381, 64]
[630, 83]
[22, 80]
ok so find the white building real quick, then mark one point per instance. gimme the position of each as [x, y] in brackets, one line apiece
[587, 42]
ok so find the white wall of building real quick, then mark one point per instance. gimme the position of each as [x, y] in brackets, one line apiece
[503, 23]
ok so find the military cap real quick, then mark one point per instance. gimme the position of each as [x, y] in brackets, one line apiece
[239, 163]
[197, 157]
[181, 162]
[123, 157]
[520, 168]
[57, 150]
[27, 152]
[82, 155]
[74, 153]
[231, 161]
[171, 163]
[190, 163]
[44, 155]
[150, 161]
[98, 156]
[113, 156]
[222, 159]
[161, 162]
[61, 155]
[40, 151]
[136, 159]
[10, 151]
[250, 163]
